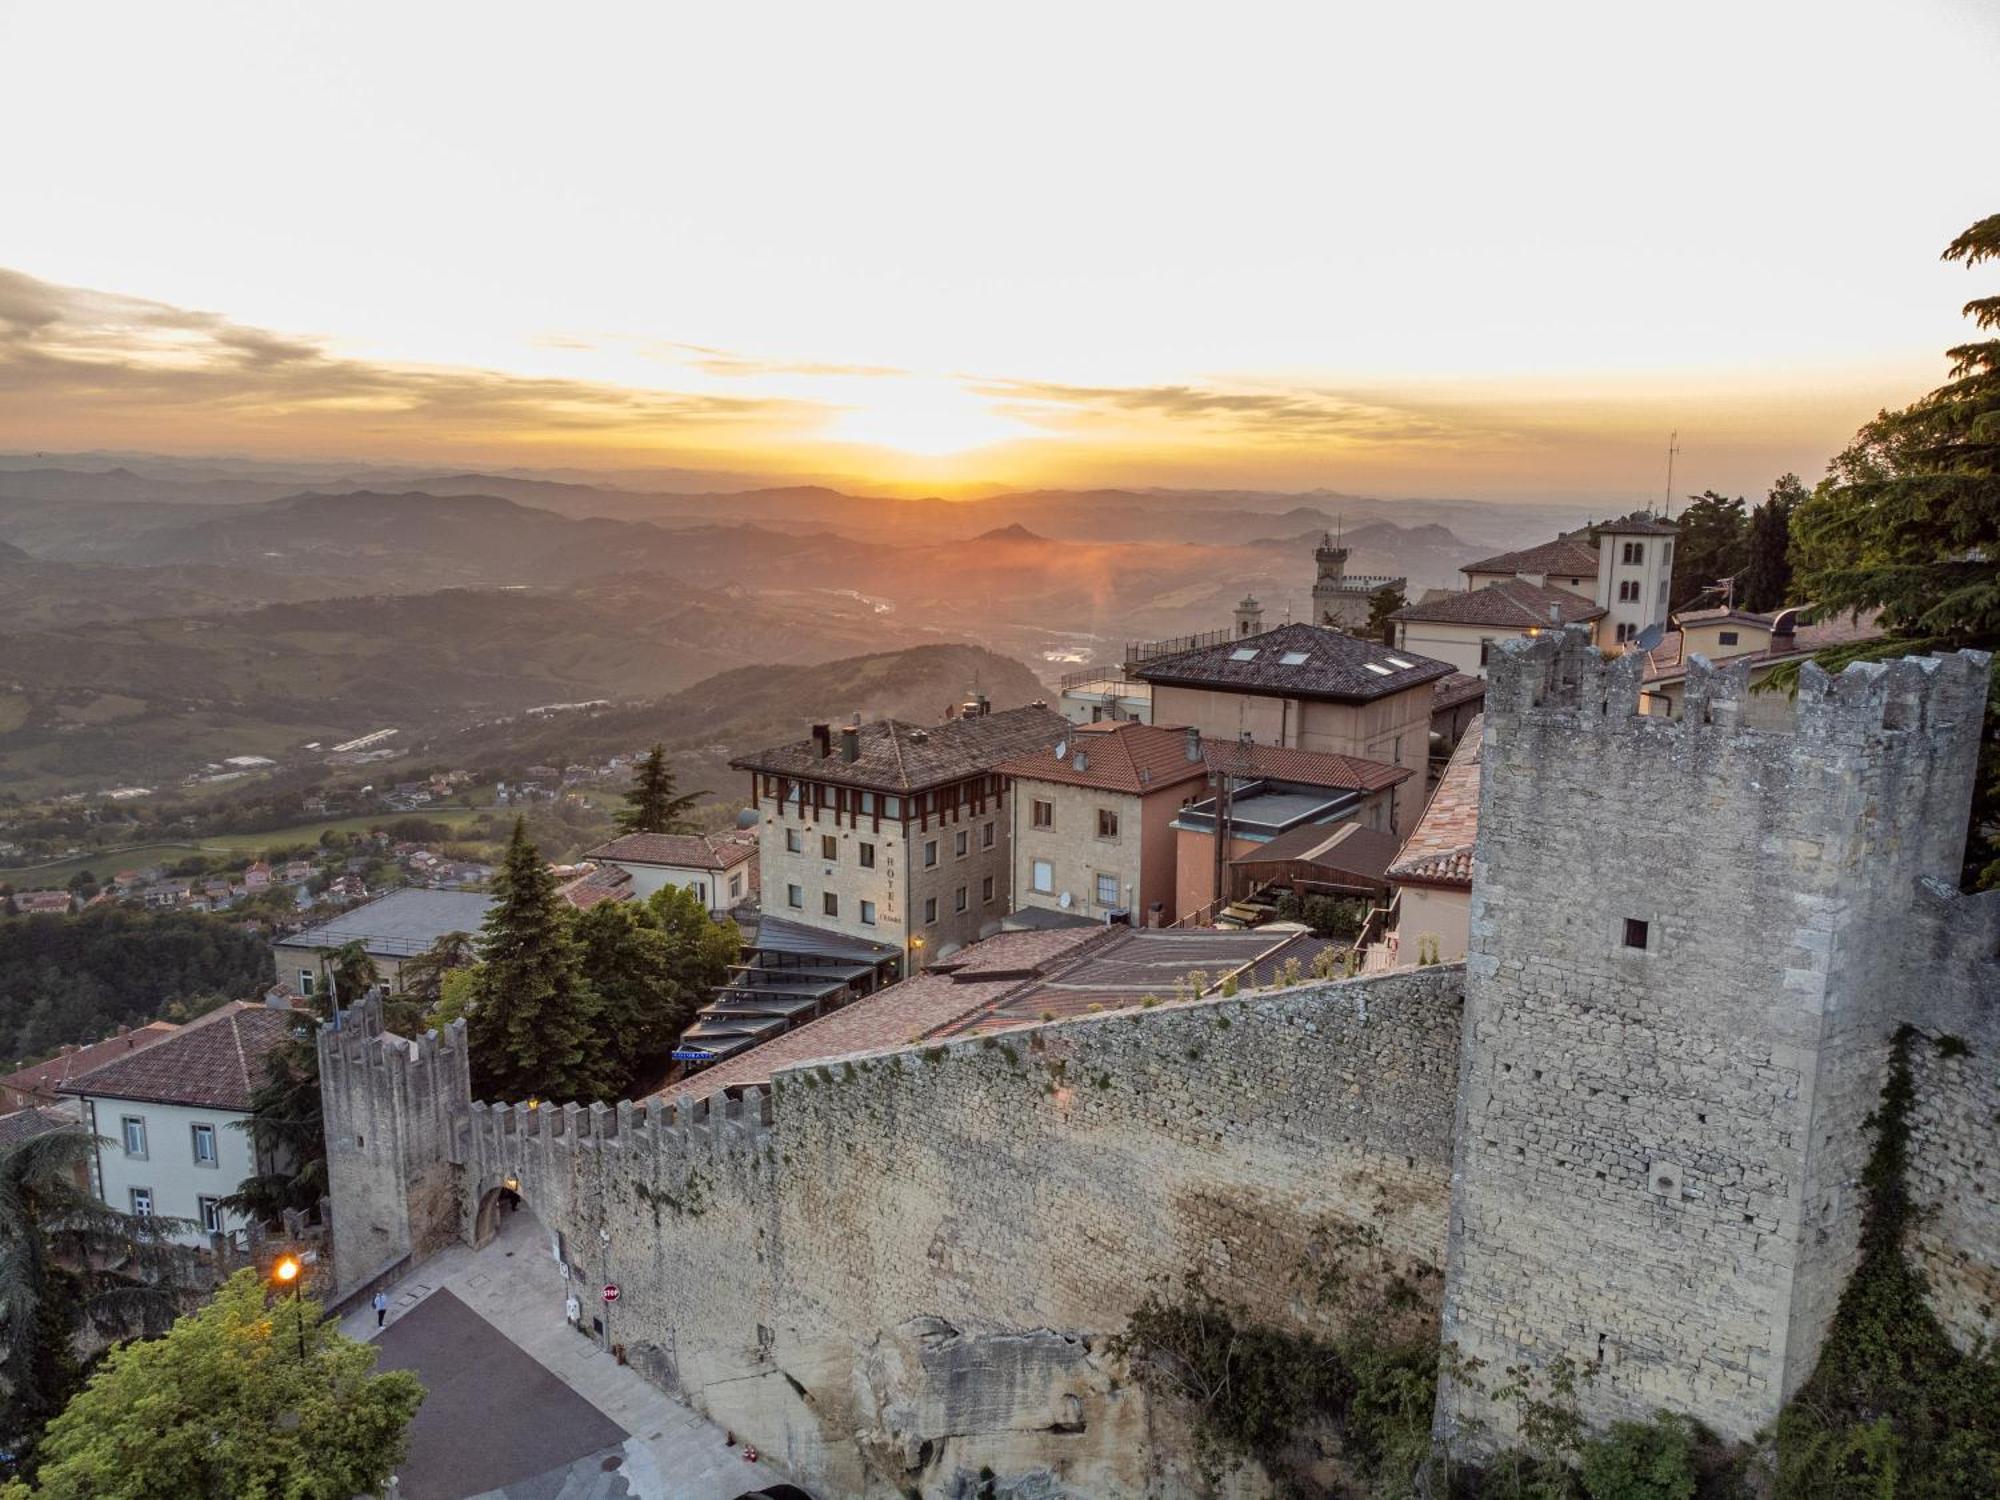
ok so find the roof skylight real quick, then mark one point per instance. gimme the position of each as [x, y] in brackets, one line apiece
[1397, 661]
[1294, 658]
[1378, 669]
[1244, 653]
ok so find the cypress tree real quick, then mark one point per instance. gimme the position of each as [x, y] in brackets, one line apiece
[533, 1013]
[1766, 579]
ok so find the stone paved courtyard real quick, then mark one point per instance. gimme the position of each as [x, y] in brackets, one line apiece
[522, 1406]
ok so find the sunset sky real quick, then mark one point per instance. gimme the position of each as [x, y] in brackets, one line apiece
[1486, 250]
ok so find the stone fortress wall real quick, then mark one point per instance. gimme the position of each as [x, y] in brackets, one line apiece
[896, 1271]
[1663, 1128]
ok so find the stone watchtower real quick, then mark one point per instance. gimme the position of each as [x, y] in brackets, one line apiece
[1249, 617]
[1330, 604]
[1691, 941]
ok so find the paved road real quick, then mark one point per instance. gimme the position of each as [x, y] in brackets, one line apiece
[493, 1415]
[533, 1401]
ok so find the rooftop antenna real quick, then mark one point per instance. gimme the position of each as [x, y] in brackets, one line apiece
[1673, 447]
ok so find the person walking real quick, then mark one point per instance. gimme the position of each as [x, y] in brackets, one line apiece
[381, 1308]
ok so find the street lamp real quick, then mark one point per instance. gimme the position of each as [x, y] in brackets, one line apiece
[287, 1274]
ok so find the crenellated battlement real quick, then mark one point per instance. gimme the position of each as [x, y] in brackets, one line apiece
[1563, 678]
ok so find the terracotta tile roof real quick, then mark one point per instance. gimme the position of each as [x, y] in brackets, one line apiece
[689, 851]
[1306, 767]
[1460, 687]
[42, 1083]
[1510, 603]
[213, 1063]
[1565, 557]
[1439, 849]
[1121, 757]
[901, 1013]
[898, 757]
[1717, 615]
[25, 1124]
[1327, 664]
[606, 883]
[1344, 848]
[1639, 523]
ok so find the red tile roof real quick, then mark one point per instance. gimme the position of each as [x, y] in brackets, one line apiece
[1460, 687]
[1307, 767]
[1439, 849]
[42, 1083]
[688, 851]
[606, 883]
[214, 1062]
[1565, 557]
[1121, 757]
[1510, 603]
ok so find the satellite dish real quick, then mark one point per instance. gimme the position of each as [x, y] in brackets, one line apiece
[1649, 639]
[747, 818]
[1063, 901]
[1062, 748]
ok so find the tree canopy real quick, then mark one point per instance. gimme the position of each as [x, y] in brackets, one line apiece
[1383, 603]
[1908, 519]
[67, 1262]
[227, 1406]
[1709, 547]
[1765, 582]
[653, 805]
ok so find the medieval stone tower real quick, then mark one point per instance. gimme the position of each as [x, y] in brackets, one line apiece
[1342, 600]
[1691, 942]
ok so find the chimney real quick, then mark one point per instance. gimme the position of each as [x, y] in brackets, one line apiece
[982, 705]
[823, 737]
[850, 743]
[1193, 745]
[1555, 615]
[1080, 761]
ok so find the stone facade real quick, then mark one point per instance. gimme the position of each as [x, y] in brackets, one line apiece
[1691, 943]
[1638, 1147]
[897, 1270]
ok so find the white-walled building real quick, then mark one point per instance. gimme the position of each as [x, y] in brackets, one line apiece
[168, 1113]
[720, 868]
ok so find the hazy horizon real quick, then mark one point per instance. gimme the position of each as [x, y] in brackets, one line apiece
[1466, 255]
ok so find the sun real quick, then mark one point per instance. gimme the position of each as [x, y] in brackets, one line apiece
[929, 418]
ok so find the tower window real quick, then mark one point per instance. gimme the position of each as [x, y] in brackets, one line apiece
[1637, 932]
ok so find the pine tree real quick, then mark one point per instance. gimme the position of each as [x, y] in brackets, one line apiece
[533, 1014]
[1908, 519]
[1383, 603]
[1766, 580]
[652, 804]
[1710, 546]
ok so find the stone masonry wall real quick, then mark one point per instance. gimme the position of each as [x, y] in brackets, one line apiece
[900, 1269]
[1660, 1145]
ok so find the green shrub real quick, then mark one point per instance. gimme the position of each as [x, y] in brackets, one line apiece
[1642, 1460]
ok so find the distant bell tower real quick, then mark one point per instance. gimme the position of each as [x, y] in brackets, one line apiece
[1249, 617]
[1331, 584]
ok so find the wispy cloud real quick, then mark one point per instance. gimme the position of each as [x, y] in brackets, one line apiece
[713, 361]
[116, 355]
[1289, 415]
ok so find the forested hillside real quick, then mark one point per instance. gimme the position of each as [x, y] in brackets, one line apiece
[77, 979]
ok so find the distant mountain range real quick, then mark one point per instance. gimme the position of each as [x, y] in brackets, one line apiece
[157, 617]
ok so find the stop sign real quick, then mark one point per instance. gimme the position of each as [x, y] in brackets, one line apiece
[610, 1291]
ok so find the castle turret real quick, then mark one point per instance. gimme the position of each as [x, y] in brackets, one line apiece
[1249, 617]
[1691, 943]
[1342, 600]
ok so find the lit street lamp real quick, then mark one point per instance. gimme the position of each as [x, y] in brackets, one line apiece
[287, 1273]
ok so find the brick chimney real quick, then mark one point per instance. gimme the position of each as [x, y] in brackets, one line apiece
[823, 737]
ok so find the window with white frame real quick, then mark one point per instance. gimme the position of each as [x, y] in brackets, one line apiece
[1044, 878]
[795, 841]
[868, 914]
[865, 854]
[1107, 890]
[204, 1145]
[142, 1203]
[133, 1128]
[210, 1210]
[306, 978]
[795, 896]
